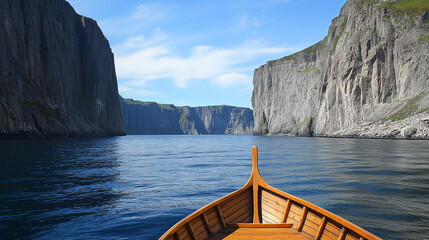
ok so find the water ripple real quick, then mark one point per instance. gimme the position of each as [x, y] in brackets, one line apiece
[139, 186]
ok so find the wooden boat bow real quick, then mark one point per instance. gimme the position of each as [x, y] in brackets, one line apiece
[259, 211]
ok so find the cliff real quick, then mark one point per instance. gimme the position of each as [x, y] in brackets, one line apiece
[153, 118]
[368, 78]
[57, 75]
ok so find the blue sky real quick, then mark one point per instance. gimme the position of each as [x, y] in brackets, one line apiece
[200, 53]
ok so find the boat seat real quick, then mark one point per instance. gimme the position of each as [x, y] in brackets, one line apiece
[260, 225]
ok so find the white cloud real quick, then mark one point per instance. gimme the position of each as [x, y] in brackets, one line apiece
[246, 22]
[135, 92]
[230, 79]
[157, 38]
[203, 63]
[144, 16]
[156, 55]
[140, 42]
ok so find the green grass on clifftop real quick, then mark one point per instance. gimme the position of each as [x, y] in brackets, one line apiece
[136, 102]
[310, 50]
[407, 6]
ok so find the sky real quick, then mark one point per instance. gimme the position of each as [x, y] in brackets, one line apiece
[200, 53]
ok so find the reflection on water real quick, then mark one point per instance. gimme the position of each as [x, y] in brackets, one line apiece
[45, 183]
[139, 186]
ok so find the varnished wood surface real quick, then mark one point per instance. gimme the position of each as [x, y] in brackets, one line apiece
[259, 211]
[259, 233]
[260, 225]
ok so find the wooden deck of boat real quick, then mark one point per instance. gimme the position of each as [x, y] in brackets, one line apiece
[259, 233]
[259, 211]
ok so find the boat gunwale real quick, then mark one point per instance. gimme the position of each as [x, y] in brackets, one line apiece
[329, 215]
[200, 211]
[256, 178]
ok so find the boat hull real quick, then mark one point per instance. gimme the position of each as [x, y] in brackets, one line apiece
[258, 209]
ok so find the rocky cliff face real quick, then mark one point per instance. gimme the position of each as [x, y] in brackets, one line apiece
[153, 118]
[57, 76]
[368, 78]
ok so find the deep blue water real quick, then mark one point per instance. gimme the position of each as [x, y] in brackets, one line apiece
[139, 186]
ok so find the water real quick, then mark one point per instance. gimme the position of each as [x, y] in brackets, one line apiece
[139, 186]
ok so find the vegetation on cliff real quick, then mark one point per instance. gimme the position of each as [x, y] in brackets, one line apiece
[368, 77]
[152, 118]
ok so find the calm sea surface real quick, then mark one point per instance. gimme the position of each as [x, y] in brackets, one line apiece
[139, 186]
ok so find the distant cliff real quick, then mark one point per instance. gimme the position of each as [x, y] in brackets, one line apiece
[368, 78]
[57, 75]
[153, 118]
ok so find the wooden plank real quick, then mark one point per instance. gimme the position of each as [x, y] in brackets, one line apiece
[176, 235]
[314, 218]
[213, 220]
[293, 219]
[216, 227]
[170, 237]
[329, 215]
[221, 219]
[328, 235]
[244, 218]
[255, 181]
[288, 204]
[248, 219]
[267, 209]
[310, 230]
[191, 231]
[256, 203]
[294, 215]
[183, 233]
[212, 217]
[259, 233]
[332, 231]
[247, 195]
[245, 210]
[321, 228]
[196, 223]
[260, 225]
[352, 235]
[342, 234]
[303, 216]
[272, 201]
[206, 223]
[202, 234]
[236, 207]
[272, 207]
[312, 223]
[268, 217]
[199, 228]
[211, 214]
[295, 209]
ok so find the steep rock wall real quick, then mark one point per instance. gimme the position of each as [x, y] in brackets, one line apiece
[153, 118]
[57, 75]
[365, 79]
